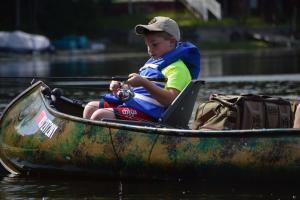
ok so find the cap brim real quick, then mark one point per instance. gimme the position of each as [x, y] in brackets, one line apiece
[140, 29]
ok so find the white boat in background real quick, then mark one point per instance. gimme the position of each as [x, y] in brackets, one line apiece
[21, 42]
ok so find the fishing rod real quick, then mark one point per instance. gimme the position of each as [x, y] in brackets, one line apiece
[79, 78]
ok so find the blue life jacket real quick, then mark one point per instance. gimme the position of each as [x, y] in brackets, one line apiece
[142, 99]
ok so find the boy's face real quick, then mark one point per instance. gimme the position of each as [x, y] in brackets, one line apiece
[158, 45]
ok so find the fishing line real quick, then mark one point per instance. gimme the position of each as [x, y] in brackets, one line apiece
[80, 78]
[67, 78]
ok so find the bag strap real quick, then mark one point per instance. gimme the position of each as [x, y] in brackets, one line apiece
[225, 99]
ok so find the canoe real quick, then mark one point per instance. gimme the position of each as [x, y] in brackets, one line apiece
[39, 137]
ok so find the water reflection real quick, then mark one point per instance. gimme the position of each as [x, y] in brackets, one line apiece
[211, 66]
[241, 63]
[23, 66]
[26, 187]
[70, 65]
[63, 188]
[214, 64]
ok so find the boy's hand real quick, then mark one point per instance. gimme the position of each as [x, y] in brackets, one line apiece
[114, 86]
[135, 80]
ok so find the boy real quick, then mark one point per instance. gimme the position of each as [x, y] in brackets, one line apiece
[177, 62]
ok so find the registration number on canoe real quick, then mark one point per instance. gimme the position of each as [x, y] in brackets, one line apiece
[45, 124]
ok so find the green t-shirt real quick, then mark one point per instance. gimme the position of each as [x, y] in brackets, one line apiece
[177, 74]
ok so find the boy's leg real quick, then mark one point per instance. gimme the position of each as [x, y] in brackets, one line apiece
[123, 113]
[90, 108]
[127, 113]
[96, 110]
[297, 117]
[103, 113]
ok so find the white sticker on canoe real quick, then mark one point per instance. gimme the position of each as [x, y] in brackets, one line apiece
[45, 125]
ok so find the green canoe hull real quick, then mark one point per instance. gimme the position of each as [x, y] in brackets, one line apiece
[36, 138]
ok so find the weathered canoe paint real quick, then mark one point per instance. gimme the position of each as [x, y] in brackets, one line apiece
[36, 138]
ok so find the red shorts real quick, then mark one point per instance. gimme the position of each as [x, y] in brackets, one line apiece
[126, 113]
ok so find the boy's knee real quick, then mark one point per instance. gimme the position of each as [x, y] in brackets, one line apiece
[103, 113]
[89, 109]
[297, 117]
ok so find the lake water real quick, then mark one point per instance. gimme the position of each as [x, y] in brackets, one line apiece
[271, 72]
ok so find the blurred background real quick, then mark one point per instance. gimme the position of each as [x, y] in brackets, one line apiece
[210, 24]
[247, 46]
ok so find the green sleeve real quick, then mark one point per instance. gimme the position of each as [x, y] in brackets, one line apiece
[177, 74]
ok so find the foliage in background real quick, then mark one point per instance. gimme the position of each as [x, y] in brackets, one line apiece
[107, 19]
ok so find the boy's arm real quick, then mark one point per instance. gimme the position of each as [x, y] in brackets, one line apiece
[163, 96]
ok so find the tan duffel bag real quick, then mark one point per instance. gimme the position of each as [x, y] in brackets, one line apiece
[247, 111]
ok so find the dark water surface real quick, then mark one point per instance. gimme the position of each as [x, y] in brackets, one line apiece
[59, 188]
[272, 72]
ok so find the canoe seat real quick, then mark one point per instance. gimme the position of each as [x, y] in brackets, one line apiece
[179, 112]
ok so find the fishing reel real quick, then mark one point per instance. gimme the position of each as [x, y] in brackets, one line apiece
[124, 93]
